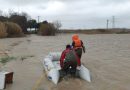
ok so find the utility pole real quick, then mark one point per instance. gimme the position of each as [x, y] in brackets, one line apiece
[38, 18]
[37, 22]
[107, 24]
[113, 22]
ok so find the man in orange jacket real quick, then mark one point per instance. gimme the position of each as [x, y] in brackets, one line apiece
[69, 61]
[78, 45]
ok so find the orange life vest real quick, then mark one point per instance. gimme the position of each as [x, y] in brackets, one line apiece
[77, 41]
[77, 44]
[75, 37]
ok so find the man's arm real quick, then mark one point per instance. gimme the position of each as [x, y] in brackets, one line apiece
[79, 62]
[83, 46]
[62, 58]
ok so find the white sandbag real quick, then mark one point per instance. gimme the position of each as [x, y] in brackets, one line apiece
[2, 80]
[84, 73]
[47, 63]
[54, 76]
[57, 65]
[51, 72]
[55, 55]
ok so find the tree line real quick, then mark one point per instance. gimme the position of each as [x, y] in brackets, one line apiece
[25, 22]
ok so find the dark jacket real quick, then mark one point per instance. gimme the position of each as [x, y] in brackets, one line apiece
[63, 55]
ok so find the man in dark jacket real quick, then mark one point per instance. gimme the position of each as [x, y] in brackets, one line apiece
[69, 61]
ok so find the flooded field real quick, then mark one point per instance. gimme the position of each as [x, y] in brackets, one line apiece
[107, 57]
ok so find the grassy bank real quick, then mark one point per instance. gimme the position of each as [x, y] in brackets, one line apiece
[96, 31]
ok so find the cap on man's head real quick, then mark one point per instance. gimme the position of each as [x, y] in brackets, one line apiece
[68, 46]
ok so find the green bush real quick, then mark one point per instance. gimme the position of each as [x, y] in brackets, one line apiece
[47, 29]
[3, 32]
[20, 19]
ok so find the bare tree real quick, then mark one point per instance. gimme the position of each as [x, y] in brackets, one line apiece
[10, 11]
[1, 12]
[57, 24]
[26, 15]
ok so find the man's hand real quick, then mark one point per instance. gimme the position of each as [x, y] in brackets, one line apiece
[78, 67]
[83, 49]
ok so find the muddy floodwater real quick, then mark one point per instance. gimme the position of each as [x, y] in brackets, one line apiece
[107, 57]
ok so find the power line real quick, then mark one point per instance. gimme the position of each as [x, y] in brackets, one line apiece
[113, 22]
[107, 24]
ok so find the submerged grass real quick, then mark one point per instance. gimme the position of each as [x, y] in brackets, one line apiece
[6, 59]
[25, 57]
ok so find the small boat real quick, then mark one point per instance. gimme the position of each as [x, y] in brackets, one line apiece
[51, 64]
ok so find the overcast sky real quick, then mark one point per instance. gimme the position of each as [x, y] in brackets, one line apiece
[73, 14]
